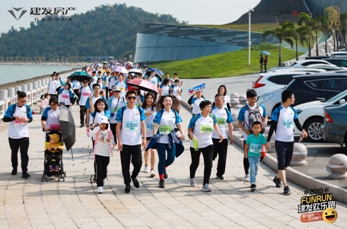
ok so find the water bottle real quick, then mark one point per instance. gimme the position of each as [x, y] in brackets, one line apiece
[195, 142]
[88, 131]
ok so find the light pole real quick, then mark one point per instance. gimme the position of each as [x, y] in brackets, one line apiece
[249, 36]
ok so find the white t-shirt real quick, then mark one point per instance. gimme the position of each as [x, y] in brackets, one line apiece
[95, 80]
[116, 104]
[196, 103]
[226, 101]
[77, 84]
[285, 123]
[17, 129]
[52, 121]
[166, 90]
[122, 87]
[64, 97]
[153, 80]
[107, 81]
[90, 115]
[245, 117]
[102, 148]
[223, 118]
[203, 130]
[112, 82]
[85, 91]
[175, 92]
[131, 126]
[166, 125]
[52, 87]
[149, 121]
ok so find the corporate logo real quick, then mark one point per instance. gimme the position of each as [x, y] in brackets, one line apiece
[15, 12]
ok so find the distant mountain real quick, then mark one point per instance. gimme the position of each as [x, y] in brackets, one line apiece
[105, 31]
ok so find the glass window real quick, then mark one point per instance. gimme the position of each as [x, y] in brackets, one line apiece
[343, 63]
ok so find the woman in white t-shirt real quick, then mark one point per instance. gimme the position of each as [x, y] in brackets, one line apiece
[223, 90]
[200, 131]
[165, 88]
[150, 112]
[165, 121]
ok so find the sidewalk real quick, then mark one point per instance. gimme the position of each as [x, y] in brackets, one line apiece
[74, 203]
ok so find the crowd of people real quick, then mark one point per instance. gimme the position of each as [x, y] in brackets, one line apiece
[118, 115]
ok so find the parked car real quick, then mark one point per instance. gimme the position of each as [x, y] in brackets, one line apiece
[311, 115]
[309, 62]
[307, 88]
[335, 126]
[296, 69]
[327, 67]
[273, 80]
[338, 61]
[337, 53]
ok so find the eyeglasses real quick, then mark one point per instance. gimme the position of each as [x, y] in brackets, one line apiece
[131, 98]
[85, 82]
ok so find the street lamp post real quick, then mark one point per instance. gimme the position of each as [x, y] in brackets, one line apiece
[249, 36]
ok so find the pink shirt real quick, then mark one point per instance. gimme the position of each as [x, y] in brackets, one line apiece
[44, 103]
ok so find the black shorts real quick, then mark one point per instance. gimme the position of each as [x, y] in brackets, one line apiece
[284, 151]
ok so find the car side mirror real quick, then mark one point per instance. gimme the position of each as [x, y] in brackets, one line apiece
[342, 101]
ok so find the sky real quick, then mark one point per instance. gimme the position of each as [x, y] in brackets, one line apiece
[193, 11]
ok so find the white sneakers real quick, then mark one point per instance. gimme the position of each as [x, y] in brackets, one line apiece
[152, 173]
[246, 178]
[146, 169]
[100, 190]
[192, 182]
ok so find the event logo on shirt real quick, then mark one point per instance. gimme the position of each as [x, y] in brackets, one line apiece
[288, 123]
[255, 148]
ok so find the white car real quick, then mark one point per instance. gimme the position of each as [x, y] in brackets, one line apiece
[311, 115]
[338, 53]
[327, 67]
[310, 62]
[270, 101]
[273, 81]
[296, 69]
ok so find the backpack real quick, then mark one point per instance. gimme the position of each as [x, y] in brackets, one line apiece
[14, 109]
[254, 115]
[123, 113]
[196, 117]
[109, 134]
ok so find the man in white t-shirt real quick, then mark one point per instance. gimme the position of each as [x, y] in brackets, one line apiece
[52, 87]
[95, 79]
[19, 115]
[130, 125]
[84, 94]
[122, 85]
[283, 119]
[243, 121]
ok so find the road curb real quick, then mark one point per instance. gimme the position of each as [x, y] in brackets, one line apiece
[295, 176]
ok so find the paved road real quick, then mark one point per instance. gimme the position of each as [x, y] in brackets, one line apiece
[74, 203]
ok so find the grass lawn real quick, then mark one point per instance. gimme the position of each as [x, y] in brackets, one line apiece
[225, 64]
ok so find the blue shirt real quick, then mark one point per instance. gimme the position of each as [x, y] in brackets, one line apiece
[255, 145]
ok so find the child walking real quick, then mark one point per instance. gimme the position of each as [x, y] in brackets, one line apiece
[44, 103]
[253, 149]
[102, 151]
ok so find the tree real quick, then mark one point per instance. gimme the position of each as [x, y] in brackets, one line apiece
[315, 28]
[304, 17]
[282, 33]
[324, 28]
[300, 34]
[343, 27]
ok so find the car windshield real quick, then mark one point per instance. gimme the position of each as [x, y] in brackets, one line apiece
[342, 94]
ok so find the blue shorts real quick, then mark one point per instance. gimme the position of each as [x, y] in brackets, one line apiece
[284, 151]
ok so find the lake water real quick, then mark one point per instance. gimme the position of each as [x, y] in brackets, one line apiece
[12, 73]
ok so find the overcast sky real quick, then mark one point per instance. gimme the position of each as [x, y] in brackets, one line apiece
[193, 11]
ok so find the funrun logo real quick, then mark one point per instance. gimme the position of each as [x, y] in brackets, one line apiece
[17, 13]
[317, 207]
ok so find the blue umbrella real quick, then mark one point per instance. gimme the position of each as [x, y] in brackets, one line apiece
[159, 72]
[265, 53]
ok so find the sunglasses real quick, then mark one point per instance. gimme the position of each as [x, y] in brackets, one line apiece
[130, 97]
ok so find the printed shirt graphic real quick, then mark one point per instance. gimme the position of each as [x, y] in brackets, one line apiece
[223, 117]
[149, 121]
[203, 128]
[255, 145]
[166, 90]
[285, 123]
[52, 118]
[166, 122]
[243, 116]
[131, 125]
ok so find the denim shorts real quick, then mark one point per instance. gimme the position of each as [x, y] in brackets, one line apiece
[284, 151]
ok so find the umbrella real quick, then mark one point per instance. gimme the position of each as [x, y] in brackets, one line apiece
[121, 69]
[80, 76]
[265, 53]
[145, 65]
[135, 71]
[105, 62]
[157, 71]
[143, 85]
[68, 129]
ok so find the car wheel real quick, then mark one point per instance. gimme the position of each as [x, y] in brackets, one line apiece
[313, 128]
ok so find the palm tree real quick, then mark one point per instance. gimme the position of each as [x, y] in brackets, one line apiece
[334, 27]
[324, 28]
[300, 34]
[343, 27]
[315, 28]
[282, 33]
[304, 17]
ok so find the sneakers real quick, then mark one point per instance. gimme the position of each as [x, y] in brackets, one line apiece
[103, 182]
[136, 183]
[192, 182]
[253, 187]
[219, 178]
[278, 183]
[51, 169]
[82, 125]
[100, 190]
[165, 174]
[152, 173]
[56, 168]
[286, 190]
[206, 188]
[14, 172]
[25, 175]
[161, 184]
[146, 169]
[246, 178]
[127, 189]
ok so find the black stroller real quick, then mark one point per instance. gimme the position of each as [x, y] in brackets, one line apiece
[56, 158]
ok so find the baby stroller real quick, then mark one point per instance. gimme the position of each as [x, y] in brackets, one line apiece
[53, 157]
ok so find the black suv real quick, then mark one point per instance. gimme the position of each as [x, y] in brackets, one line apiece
[338, 61]
[320, 86]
